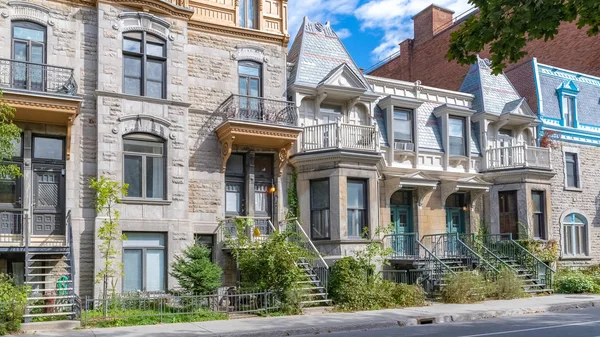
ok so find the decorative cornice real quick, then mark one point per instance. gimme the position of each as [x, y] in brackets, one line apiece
[68, 108]
[147, 117]
[160, 6]
[238, 32]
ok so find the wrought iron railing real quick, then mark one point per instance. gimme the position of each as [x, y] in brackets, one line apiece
[341, 136]
[314, 259]
[252, 228]
[412, 276]
[41, 77]
[433, 270]
[477, 245]
[518, 156]
[403, 246]
[505, 247]
[450, 245]
[12, 226]
[259, 109]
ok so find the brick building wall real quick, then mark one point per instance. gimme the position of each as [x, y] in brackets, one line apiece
[423, 58]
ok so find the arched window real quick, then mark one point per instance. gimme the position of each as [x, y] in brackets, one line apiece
[144, 65]
[144, 166]
[250, 78]
[28, 45]
[575, 236]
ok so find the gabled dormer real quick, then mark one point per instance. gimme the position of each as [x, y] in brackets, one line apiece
[567, 101]
[343, 80]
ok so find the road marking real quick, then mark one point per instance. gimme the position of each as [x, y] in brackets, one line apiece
[531, 329]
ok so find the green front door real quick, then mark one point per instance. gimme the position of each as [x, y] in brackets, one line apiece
[455, 224]
[402, 222]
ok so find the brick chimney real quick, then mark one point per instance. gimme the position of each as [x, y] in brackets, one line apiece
[429, 21]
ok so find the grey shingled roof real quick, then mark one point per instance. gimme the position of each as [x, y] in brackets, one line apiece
[588, 98]
[381, 124]
[316, 52]
[430, 136]
[494, 94]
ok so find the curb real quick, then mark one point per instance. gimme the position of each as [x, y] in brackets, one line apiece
[424, 319]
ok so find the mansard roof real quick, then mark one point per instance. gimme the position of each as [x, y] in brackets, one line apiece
[586, 89]
[494, 94]
[317, 54]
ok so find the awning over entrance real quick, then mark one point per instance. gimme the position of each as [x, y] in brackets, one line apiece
[418, 181]
[475, 185]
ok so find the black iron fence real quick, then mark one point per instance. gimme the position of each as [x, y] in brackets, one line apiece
[259, 109]
[37, 77]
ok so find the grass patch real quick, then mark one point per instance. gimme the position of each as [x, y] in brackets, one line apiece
[96, 319]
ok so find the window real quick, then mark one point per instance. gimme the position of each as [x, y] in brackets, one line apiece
[403, 129]
[456, 131]
[48, 148]
[572, 170]
[569, 111]
[144, 65]
[263, 177]
[208, 241]
[248, 14]
[144, 262]
[539, 214]
[574, 235]
[28, 45]
[319, 209]
[357, 207]
[250, 86]
[234, 185]
[144, 166]
[330, 113]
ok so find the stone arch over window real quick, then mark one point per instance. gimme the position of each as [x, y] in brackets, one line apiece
[25, 11]
[138, 21]
[145, 124]
[575, 236]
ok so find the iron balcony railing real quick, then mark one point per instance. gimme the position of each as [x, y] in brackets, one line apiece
[518, 156]
[341, 136]
[403, 246]
[259, 109]
[253, 228]
[11, 227]
[40, 77]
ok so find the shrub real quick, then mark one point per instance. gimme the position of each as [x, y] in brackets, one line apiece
[406, 295]
[575, 282]
[195, 272]
[508, 286]
[465, 287]
[13, 299]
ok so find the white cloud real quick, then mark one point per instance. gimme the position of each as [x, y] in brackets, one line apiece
[343, 33]
[318, 11]
[393, 17]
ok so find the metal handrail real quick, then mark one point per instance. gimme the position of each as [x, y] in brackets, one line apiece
[17, 74]
[479, 257]
[488, 251]
[414, 248]
[258, 109]
[312, 245]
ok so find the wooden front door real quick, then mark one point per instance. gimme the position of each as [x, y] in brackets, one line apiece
[48, 200]
[508, 213]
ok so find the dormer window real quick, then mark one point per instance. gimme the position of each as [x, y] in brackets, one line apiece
[456, 132]
[567, 96]
[403, 130]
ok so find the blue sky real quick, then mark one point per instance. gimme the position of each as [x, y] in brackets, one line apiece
[370, 29]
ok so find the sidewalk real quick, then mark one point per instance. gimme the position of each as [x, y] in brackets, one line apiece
[331, 322]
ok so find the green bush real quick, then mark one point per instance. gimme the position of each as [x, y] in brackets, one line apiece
[465, 287]
[576, 282]
[353, 286]
[13, 299]
[508, 286]
[195, 272]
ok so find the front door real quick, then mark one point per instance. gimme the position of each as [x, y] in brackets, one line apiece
[455, 225]
[508, 213]
[402, 222]
[48, 213]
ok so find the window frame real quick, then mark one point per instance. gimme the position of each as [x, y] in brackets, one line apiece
[320, 210]
[576, 168]
[144, 250]
[47, 160]
[569, 113]
[410, 121]
[212, 237]
[236, 179]
[144, 57]
[463, 137]
[148, 138]
[579, 249]
[253, 64]
[243, 14]
[539, 215]
[365, 209]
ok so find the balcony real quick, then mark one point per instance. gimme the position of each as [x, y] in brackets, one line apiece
[257, 121]
[11, 228]
[37, 77]
[254, 229]
[340, 136]
[518, 156]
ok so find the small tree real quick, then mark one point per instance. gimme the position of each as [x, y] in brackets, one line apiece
[9, 135]
[195, 272]
[108, 195]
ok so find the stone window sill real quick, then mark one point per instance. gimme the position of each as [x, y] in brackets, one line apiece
[573, 189]
[145, 202]
[575, 258]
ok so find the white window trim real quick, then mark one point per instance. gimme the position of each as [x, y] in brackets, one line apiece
[587, 241]
[575, 151]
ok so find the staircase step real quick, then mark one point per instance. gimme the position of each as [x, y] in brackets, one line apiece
[50, 314]
[47, 290]
[315, 301]
[50, 306]
[313, 288]
[47, 267]
[47, 260]
[46, 282]
[315, 295]
[50, 297]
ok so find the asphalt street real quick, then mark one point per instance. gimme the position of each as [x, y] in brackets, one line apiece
[572, 323]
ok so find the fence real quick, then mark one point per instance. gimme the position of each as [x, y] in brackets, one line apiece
[166, 308]
[37, 77]
[259, 109]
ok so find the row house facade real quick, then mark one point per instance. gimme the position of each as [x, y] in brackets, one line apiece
[173, 98]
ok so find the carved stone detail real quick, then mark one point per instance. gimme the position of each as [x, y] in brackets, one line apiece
[226, 147]
[283, 156]
[448, 188]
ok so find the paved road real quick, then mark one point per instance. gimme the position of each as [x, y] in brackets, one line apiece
[572, 323]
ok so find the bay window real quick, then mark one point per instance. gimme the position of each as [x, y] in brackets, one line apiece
[357, 206]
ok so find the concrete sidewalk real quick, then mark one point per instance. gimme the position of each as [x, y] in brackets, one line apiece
[330, 322]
